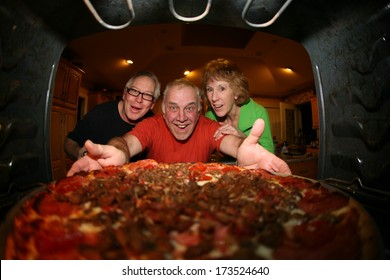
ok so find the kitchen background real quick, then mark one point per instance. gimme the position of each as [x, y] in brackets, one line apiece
[93, 70]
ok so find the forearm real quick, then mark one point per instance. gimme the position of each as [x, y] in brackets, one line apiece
[230, 144]
[121, 144]
[72, 149]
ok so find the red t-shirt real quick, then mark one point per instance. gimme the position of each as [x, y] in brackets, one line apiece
[162, 146]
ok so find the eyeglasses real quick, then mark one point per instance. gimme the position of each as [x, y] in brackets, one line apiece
[135, 93]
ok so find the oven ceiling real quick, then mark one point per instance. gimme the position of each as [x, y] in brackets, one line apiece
[169, 49]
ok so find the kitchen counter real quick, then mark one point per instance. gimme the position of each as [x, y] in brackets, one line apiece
[302, 165]
[305, 165]
[294, 159]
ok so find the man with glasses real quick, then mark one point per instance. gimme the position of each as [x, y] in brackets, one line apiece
[180, 134]
[115, 118]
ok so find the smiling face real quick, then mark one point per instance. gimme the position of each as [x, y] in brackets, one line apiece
[181, 111]
[221, 97]
[135, 107]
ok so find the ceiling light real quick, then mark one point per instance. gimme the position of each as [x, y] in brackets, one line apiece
[187, 72]
[129, 61]
[288, 69]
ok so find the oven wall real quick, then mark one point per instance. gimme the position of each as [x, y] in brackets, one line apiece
[28, 55]
[347, 42]
[351, 64]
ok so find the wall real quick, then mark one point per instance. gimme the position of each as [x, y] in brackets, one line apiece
[273, 109]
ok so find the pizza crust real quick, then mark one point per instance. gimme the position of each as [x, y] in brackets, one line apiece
[369, 234]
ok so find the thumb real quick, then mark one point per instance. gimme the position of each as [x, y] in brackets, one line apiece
[93, 149]
[256, 131]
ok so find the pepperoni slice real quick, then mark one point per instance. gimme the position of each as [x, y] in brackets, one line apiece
[58, 241]
[323, 239]
[295, 182]
[140, 165]
[47, 205]
[109, 172]
[70, 184]
[320, 202]
[203, 172]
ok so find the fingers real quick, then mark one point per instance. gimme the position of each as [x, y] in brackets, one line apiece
[77, 166]
[219, 132]
[280, 166]
[283, 168]
[227, 129]
[87, 162]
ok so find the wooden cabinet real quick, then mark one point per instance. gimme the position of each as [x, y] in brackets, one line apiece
[306, 168]
[67, 84]
[314, 112]
[63, 120]
[63, 115]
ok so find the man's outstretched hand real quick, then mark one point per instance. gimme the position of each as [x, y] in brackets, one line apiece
[98, 156]
[252, 155]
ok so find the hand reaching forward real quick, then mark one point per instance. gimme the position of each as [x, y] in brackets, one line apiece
[252, 155]
[98, 156]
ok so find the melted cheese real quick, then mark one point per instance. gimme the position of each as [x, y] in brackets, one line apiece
[264, 252]
[90, 228]
[204, 182]
[291, 223]
[341, 211]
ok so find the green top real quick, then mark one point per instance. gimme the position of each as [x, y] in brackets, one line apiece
[249, 113]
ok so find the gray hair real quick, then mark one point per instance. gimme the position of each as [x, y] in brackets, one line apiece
[151, 75]
[182, 82]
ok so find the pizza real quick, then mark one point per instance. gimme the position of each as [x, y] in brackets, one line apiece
[149, 210]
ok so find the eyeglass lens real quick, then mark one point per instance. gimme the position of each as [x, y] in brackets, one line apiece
[135, 93]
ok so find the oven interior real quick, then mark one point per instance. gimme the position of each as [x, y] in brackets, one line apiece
[347, 41]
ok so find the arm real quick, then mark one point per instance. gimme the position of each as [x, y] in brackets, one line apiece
[230, 144]
[73, 149]
[98, 156]
[252, 155]
[129, 145]
[133, 144]
[116, 152]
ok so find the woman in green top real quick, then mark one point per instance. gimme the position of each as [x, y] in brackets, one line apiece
[227, 91]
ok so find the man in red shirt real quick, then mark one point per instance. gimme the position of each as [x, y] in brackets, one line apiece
[181, 134]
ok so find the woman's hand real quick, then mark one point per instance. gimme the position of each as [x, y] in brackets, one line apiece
[227, 129]
[252, 155]
[97, 157]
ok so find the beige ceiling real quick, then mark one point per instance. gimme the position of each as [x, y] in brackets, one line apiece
[169, 49]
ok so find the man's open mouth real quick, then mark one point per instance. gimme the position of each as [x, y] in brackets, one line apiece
[181, 126]
[135, 109]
